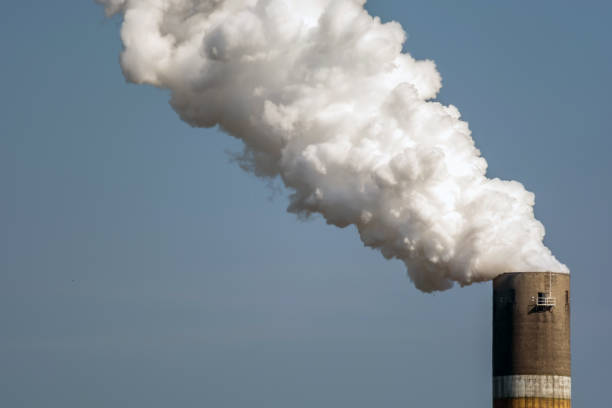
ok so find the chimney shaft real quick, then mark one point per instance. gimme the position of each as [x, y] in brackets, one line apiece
[531, 340]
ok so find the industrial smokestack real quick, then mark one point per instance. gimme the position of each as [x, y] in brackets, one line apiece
[531, 340]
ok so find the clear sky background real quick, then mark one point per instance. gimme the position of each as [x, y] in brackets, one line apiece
[139, 267]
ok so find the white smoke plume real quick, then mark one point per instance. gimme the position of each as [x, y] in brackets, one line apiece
[322, 96]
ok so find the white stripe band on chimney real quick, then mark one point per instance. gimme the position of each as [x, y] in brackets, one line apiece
[538, 386]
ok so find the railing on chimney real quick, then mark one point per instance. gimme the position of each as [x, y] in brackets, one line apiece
[546, 301]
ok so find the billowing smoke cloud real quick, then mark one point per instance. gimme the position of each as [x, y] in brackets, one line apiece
[322, 96]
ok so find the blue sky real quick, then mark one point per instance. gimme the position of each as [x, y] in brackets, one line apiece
[140, 267]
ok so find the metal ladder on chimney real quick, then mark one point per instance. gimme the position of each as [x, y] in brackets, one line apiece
[546, 298]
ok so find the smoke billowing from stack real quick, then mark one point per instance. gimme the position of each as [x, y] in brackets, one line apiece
[323, 98]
